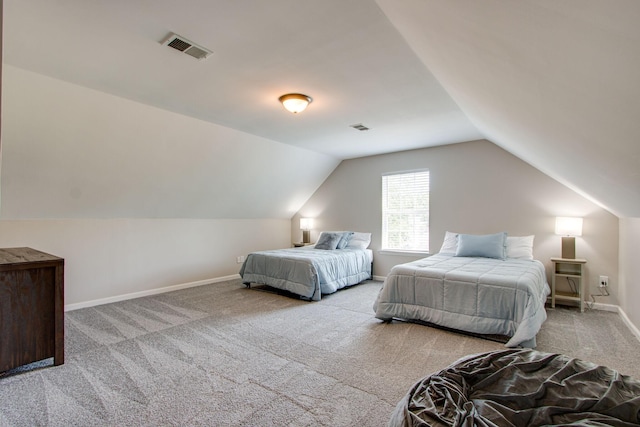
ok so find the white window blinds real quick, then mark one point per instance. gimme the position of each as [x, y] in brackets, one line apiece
[405, 211]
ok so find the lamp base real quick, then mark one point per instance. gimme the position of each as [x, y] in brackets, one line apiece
[306, 236]
[569, 247]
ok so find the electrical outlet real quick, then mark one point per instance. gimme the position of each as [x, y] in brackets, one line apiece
[604, 281]
[240, 259]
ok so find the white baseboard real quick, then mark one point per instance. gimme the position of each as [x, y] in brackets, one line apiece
[379, 278]
[92, 303]
[633, 328]
[605, 307]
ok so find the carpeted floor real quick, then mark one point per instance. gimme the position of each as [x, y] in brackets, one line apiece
[224, 355]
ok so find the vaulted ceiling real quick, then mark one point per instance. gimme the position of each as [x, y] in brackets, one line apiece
[554, 83]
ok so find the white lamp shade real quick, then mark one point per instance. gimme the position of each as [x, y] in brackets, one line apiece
[568, 226]
[306, 223]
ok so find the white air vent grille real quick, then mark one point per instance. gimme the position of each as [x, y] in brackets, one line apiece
[183, 45]
[360, 127]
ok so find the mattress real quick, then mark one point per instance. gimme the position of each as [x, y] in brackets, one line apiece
[477, 295]
[307, 271]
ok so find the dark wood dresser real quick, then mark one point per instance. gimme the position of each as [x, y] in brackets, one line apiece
[31, 307]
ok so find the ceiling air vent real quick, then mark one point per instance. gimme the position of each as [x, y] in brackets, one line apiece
[360, 126]
[183, 45]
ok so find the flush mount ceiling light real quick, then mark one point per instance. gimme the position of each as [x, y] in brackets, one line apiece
[295, 102]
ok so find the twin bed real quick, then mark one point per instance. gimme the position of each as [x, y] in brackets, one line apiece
[488, 284]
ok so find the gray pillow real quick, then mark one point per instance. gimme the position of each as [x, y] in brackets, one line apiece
[328, 241]
[484, 246]
[345, 239]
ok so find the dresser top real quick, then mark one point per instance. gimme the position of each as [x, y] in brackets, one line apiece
[14, 256]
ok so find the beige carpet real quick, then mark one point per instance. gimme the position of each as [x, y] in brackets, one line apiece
[222, 354]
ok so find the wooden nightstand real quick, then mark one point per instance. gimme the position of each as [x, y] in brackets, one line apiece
[572, 270]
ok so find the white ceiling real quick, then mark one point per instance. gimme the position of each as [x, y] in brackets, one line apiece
[346, 55]
[555, 83]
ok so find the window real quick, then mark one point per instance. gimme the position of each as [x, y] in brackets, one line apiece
[405, 211]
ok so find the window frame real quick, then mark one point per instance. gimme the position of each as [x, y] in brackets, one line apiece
[422, 245]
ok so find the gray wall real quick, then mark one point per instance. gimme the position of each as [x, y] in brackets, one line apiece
[476, 187]
[111, 259]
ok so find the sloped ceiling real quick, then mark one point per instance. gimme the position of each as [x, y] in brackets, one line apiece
[554, 83]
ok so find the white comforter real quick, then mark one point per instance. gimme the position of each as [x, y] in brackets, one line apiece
[478, 295]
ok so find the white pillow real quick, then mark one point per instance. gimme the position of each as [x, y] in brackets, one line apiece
[450, 243]
[520, 247]
[359, 240]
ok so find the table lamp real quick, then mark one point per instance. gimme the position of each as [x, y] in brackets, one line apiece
[306, 224]
[568, 228]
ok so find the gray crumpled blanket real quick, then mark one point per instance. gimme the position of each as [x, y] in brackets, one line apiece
[521, 388]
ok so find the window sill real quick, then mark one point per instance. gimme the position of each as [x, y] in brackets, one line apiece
[403, 253]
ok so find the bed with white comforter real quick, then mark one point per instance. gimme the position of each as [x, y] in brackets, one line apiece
[473, 294]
